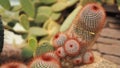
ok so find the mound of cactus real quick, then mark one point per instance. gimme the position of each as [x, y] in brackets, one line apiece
[78, 39]
[45, 61]
[50, 44]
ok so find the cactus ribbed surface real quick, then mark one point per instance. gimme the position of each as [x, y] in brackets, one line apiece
[44, 61]
[72, 47]
[14, 65]
[89, 22]
[59, 39]
[43, 48]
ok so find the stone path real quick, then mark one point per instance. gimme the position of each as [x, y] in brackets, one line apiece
[108, 44]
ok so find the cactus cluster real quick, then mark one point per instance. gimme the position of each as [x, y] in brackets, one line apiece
[39, 20]
[81, 35]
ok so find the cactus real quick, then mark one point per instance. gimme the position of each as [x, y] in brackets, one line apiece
[88, 57]
[59, 39]
[77, 60]
[48, 1]
[71, 2]
[41, 18]
[28, 7]
[72, 47]
[60, 6]
[67, 23]
[5, 4]
[32, 42]
[55, 16]
[43, 48]
[44, 61]
[37, 31]
[24, 21]
[13, 64]
[60, 52]
[53, 54]
[27, 52]
[89, 22]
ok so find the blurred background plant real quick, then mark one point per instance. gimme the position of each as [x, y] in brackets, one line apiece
[38, 20]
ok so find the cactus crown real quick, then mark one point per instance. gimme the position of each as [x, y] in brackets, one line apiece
[89, 21]
[44, 61]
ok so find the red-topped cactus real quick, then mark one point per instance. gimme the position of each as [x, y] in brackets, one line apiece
[72, 47]
[89, 21]
[60, 52]
[82, 33]
[13, 64]
[59, 39]
[44, 61]
[88, 57]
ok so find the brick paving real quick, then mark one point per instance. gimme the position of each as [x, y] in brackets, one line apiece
[108, 44]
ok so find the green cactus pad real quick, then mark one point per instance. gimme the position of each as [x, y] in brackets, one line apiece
[57, 7]
[32, 42]
[47, 1]
[45, 10]
[28, 7]
[71, 2]
[37, 31]
[43, 48]
[24, 21]
[67, 23]
[84, 2]
[52, 30]
[5, 4]
[16, 8]
[27, 52]
[41, 18]
[55, 16]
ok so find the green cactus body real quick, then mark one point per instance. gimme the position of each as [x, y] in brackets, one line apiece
[44, 61]
[43, 48]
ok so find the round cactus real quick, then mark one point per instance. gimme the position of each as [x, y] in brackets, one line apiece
[88, 57]
[60, 52]
[77, 60]
[13, 65]
[43, 48]
[44, 61]
[72, 47]
[59, 39]
[52, 54]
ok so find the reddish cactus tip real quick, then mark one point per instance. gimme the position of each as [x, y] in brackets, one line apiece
[77, 60]
[44, 61]
[88, 57]
[13, 65]
[72, 47]
[59, 39]
[60, 52]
